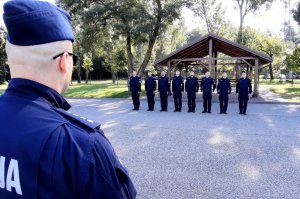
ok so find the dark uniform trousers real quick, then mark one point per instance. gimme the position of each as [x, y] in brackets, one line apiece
[191, 101]
[150, 100]
[177, 100]
[207, 102]
[243, 103]
[135, 99]
[223, 102]
[163, 100]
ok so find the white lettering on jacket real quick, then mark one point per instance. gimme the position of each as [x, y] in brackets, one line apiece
[11, 179]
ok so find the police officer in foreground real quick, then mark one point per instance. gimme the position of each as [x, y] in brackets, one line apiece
[207, 87]
[135, 89]
[163, 89]
[150, 87]
[191, 87]
[243, 88]
[45, 151]
[177, 88]
[224, 90]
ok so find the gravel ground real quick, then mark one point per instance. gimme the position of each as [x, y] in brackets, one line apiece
[198, 156]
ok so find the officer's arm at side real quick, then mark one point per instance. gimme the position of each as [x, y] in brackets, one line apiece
[250, 87]
[237, 87]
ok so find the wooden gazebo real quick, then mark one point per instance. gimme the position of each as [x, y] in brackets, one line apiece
[211, 51]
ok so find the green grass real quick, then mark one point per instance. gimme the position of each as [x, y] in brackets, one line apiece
[284, 89]
[106, 89]
[98, 89]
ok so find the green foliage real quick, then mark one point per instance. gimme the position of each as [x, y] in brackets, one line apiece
[293, 60]
[87, 63]
[139, 21]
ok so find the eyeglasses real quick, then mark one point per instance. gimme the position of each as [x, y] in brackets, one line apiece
[71, 54]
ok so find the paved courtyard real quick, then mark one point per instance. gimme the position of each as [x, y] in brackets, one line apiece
[200, 156]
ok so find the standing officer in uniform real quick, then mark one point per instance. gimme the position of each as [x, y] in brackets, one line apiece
[135, 89]
[207, 87]
[150, 87]
[45, 151]
[243, 88]
[191, 87]
[224, 90]
[177, 88]
[163, 89]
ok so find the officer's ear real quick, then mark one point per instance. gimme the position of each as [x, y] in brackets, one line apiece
[63, 63]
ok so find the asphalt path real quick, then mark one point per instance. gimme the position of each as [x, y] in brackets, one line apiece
[198, 156]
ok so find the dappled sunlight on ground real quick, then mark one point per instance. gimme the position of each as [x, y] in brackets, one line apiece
[250, 171]
[218, 138]
[204, 156]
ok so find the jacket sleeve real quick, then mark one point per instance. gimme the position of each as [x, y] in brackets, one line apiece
[186, 85]
[107, 177]
[182, 85]
[139, 84]
[214, 85]
[237, 87]
[172, 83]
[168, 85]
[229, 87]
[250, 87]
[154, 85]
[158, 85]
[197, 85]
[218, 87]
[201, 85]
[146, 85]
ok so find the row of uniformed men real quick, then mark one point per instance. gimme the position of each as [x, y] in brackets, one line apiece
[207, 86]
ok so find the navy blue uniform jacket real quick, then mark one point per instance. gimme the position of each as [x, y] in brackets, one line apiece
[207, 85]
[135, 84]
[243, 87]
[177, 84]
[163, 84]
[191, 85]
[48, 152]
[224, 86]
[150, 84]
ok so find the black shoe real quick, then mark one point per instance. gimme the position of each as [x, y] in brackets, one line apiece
[224, 113]
[204, 111]
[151, 110]
[189, 111]
[148, 109]
[209, 111]
[244, 113]
[134, 109]
[179, 110]
[161, 110]
[240, 113]
[175, 110]
[193, 111]
[221, 112]
[166, 110]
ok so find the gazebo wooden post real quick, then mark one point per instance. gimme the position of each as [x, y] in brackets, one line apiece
[210, 56]
[169, 75]
[255, 93]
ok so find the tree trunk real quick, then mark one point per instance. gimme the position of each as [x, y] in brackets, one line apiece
[86, 76]
[113, 76]
[240, 33]
[152, 39]
[271, 71]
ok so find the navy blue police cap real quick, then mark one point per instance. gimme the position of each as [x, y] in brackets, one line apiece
[32, 22]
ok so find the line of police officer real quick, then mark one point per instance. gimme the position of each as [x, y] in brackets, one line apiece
[207, 87]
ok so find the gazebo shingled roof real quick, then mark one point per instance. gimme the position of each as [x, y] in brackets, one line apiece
[200, 48]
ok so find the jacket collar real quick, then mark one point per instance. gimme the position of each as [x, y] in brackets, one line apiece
[37, 91]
